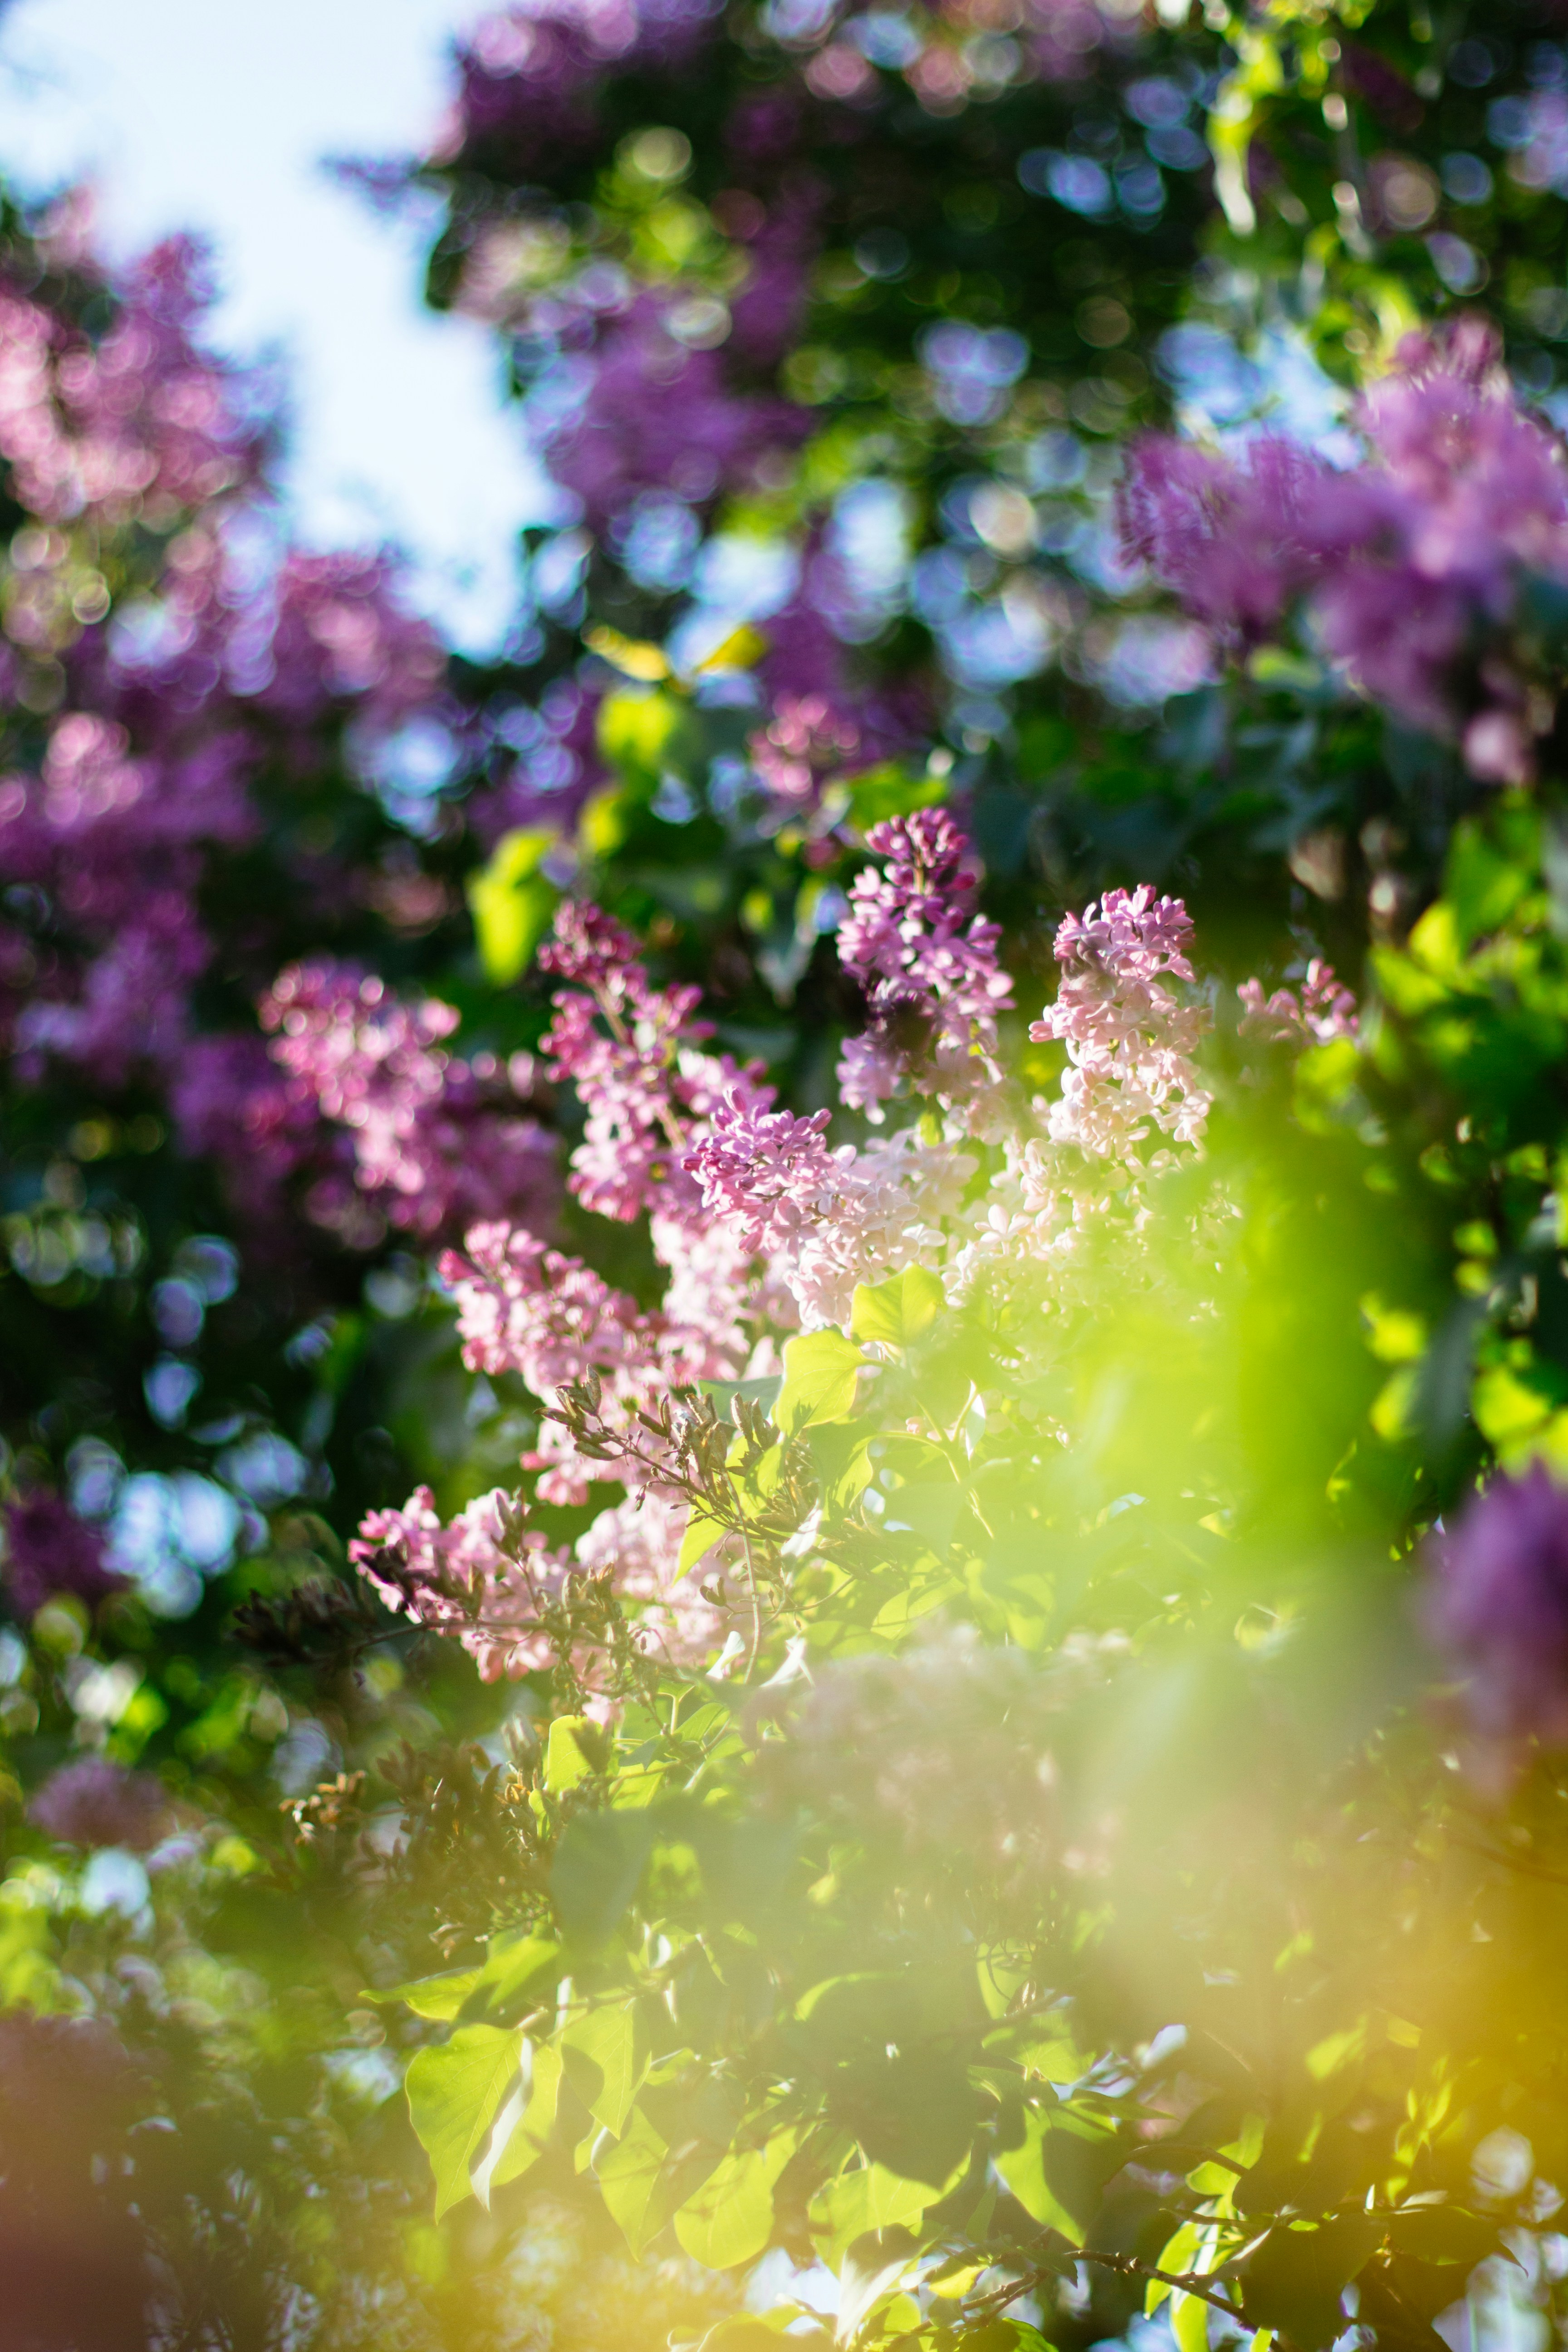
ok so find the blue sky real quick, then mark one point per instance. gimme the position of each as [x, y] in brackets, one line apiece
[192, 115]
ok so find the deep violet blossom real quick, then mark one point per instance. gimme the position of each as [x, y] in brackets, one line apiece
[1411, 563]
[48, 1550]
[529, 75]
[1497, 1606]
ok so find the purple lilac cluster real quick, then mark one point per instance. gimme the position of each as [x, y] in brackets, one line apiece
[529, 75]
[1129, 1040]
[927, 966]
[162, 701]
[138, 426]
[658, 414]
[1497, 1606]
[1408, 563]
[760, 1223]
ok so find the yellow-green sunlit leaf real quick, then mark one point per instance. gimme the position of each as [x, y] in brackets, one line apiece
[821, 1370]
[899, 1309]
[454, 2093]
[512, 903]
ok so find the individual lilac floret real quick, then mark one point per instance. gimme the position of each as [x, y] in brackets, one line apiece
[1497, 1606]
[95, 1802]
[1324, 1009]
[928, 967]
[1130, 1041]
[48, 1551]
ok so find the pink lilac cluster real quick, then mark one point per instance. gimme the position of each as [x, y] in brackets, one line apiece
[48, 1550]
[138, 424]
[758, 1222]
[1498, 1608]
[551, 1320]
[435, 1139]
[632, 1051]
[658, 414]
[1130, 1041]
[96, 1803]
[1408, 562]
[465, 1579]
[928, 967]
[828, 1219]
[530, 75]
[1321, 1010]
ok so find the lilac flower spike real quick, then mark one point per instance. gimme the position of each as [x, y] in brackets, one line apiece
[927, 966]
[1129, 1040]
[1411, 564]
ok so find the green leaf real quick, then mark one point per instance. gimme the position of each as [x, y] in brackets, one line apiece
[1189, 2322]
[633, 656]
[760, 1392]
[642, 733]
[730, 2218]
[454, 2093]
[518, 1972]
[821, 1368]
[889, 790]
[634, 2183]
[1058, 2174]
[1294, 2281]
[701, 1534]
[439, 1997]
[871, 2267]
[594, 1875]
[571, 1754]
[741, 649]
[531, 2133]
[898, 1311]
[1443, 2233]
[512, 903]
[870, 2197]
[605, 2055]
